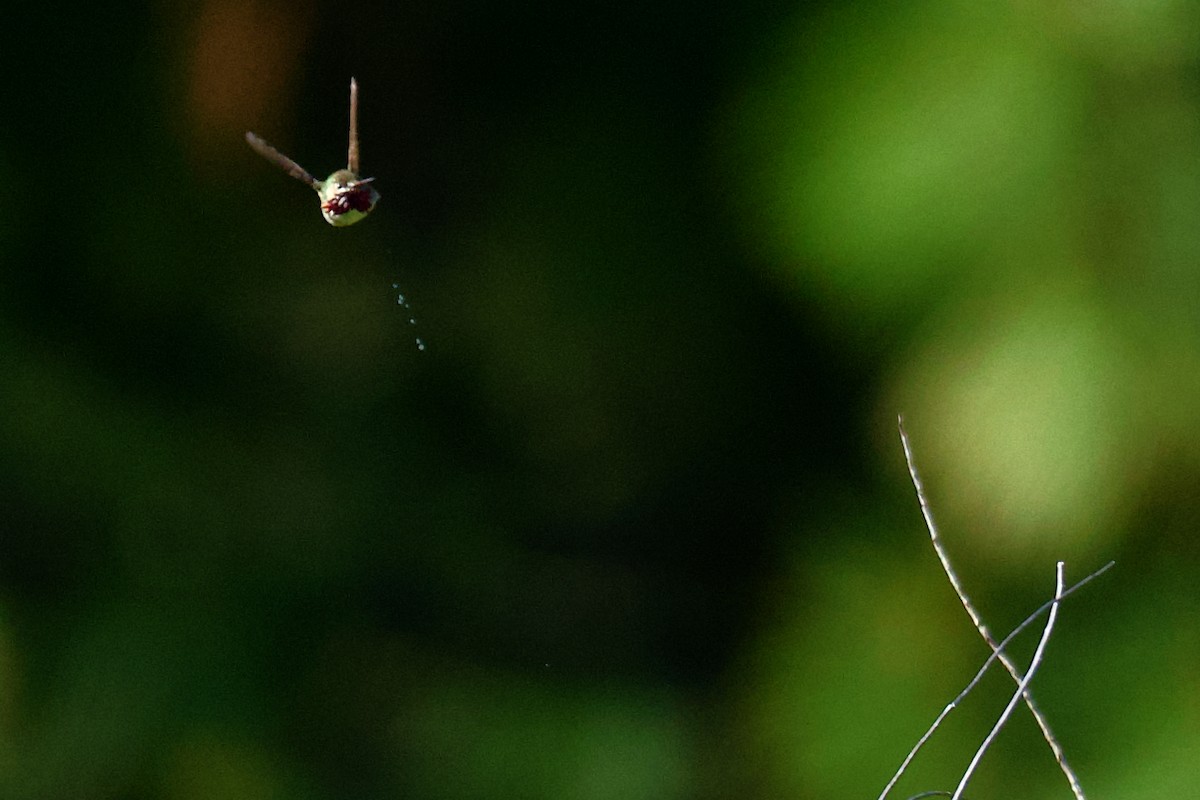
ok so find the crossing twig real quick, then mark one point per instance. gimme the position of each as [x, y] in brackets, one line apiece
[997, 648]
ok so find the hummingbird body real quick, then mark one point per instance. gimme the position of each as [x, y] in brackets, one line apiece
[346, 198]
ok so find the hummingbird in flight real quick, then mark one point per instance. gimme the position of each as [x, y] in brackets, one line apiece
[345, 197]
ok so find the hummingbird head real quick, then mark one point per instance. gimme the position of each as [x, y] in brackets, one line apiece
[346, 198]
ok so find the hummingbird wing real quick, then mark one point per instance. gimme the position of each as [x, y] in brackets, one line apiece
[280, 160]
[352, 164]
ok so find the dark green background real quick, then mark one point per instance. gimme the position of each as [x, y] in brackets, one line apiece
[635, 523]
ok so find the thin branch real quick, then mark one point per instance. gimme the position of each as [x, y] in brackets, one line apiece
[1022, 686]
[977, 621]
[991, 659]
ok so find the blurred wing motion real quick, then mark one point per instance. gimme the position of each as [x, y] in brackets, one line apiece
[280, 160]
[352, 161]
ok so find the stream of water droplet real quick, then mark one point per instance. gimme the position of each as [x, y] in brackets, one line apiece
[402, 301]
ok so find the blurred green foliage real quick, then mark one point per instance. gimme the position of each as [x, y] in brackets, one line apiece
[636, 523]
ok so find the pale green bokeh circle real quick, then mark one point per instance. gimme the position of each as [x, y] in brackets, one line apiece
[1027, 426]
[876, 151]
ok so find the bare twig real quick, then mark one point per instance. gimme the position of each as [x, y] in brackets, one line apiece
[991, 659]
[1008, 663]
[1022, 685]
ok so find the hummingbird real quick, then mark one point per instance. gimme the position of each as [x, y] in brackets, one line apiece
[345, 197]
